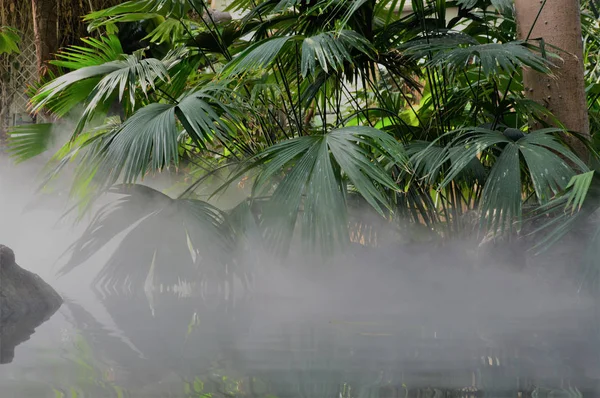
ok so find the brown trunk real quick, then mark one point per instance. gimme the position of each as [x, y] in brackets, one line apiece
[45, 27]
[558, 24]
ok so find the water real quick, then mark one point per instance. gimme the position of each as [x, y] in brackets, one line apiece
[367, 332]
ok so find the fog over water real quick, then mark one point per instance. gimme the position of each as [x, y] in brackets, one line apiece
[364, 319]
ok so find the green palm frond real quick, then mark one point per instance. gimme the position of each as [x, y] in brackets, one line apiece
[29, 140]
[543, 156]
[118, 76]
[331, 50]
[97, 86]
[170, 30]
[579, 185]
[316, 171]
[135, 10]
[98, 51]
[9, 40]
[168, 236]
[352, 7]
[457, 51]
[258, 56]
[577, 203]
[149, 140]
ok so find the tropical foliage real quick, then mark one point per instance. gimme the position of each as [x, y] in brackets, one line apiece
[350, 119]
[9, 40]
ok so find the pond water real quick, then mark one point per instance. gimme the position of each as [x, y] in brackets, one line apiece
[368, 334]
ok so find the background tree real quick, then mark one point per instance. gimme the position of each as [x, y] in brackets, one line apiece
[557, 24]
[45, 28]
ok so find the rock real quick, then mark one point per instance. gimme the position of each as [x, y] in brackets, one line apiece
[26, 301]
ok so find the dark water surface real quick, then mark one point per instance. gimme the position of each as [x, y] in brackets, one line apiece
[374, 334]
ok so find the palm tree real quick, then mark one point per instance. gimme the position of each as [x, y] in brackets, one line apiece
[330, 107]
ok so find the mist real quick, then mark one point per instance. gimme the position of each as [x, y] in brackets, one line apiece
[419, 317]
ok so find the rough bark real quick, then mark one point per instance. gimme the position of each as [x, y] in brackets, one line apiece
[26, 301]
[45, 27]
[558, 24]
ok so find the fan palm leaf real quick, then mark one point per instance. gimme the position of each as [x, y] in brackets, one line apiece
[149, 140]
[163, 236]
[545, 160]
[316, 170]
[118, 77]
[457, 51]
[9, 40]
[30, 140]
[331, 50]
[167, 8]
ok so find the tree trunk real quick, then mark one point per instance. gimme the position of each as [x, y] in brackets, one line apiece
[45, 27]
[558, 24]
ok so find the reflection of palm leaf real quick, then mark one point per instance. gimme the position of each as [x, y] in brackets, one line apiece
[158, 230]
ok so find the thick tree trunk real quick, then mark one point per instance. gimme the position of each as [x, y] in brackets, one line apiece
[45, 26]
[558, 24]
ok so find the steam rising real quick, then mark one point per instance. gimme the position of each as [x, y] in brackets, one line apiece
[404, 310]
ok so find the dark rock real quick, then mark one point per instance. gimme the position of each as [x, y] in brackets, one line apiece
[26, 301]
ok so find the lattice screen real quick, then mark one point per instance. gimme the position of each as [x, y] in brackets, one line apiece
[16, 71]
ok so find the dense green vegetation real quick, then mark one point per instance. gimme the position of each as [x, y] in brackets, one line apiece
[9, 40]
[347, 120]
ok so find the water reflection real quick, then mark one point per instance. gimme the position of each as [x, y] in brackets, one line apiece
[388, 335]
[16, 330]
[182, 348]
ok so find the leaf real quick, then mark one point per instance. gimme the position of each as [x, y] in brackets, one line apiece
[111, 81]
[576, 204]
[159, 228]
[149, 140]
[543, 159]
[580, 185]
[99, 51]
[331, 50]
[29, 140]
[257, 56]
[314, 185]
[458, 51]
[169, 31]
[501, 199]
[9, 40]
[167, 8]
